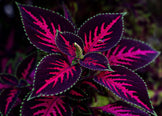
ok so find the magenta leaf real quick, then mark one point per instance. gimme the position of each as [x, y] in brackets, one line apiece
[67, 14]
[131, 53]
[65, 42]
[46, 106]
[121, 108]
[8, 98]
[77, 93]
[26, 67]
[101, 32]
[41, 25]
[95, 61]
[8, 79]
[126, 85]
[55, 75]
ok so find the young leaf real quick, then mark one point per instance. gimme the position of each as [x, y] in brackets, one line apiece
[55, 75]
[127, 85]
[46, 106]
[121, 108]
[101, 32]
[65, 42]
[26, 67]
[95, 61]
[41, 25]
[131, 53]
[7, 99]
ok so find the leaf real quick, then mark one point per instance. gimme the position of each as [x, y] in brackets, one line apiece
[26, 67]
[7, 100]
[121, 108]
[67, 14]
[127, 85]
[41, 25]
[77, 93]
[46, 106]
[55, 75]
[95, 61]
[8, 79]
[65, 42]
[131, 53]
[101, 32]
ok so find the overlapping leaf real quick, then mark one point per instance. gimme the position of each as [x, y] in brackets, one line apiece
[65, 42]
[46, 106]
[95, 61]
[101, 32]
[127, 85]
[8, 98]
[122, 109]
[77, 94]
[26, 67]
[55, 75]
[6, 79]
[131, 53]
[41, 25]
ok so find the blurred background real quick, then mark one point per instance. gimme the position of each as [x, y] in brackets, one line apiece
[143, 21]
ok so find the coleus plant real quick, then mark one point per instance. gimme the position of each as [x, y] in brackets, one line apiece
[94, 56]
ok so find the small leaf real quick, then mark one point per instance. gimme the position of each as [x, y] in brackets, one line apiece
[101, 32]
[8, 79]
[41, 25]
[46, 106]
[95, 61]
[131, 53]
[77, 94]
[7, 100]
[65, 42]
[122, 109]
[55, 75]
[127, 85]
[26, 67]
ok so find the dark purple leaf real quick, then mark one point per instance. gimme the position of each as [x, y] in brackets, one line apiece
[95, 61]
[65, 42]
[41, 25]
[131, 53]
[101, 32]
[127, 85]
[55, 75]
[122, 109]
[46, 106]
[26, 67]
[8, 79]
[8, 98]
[77, 94]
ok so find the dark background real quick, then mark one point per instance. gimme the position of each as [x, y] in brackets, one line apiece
[143, 22]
